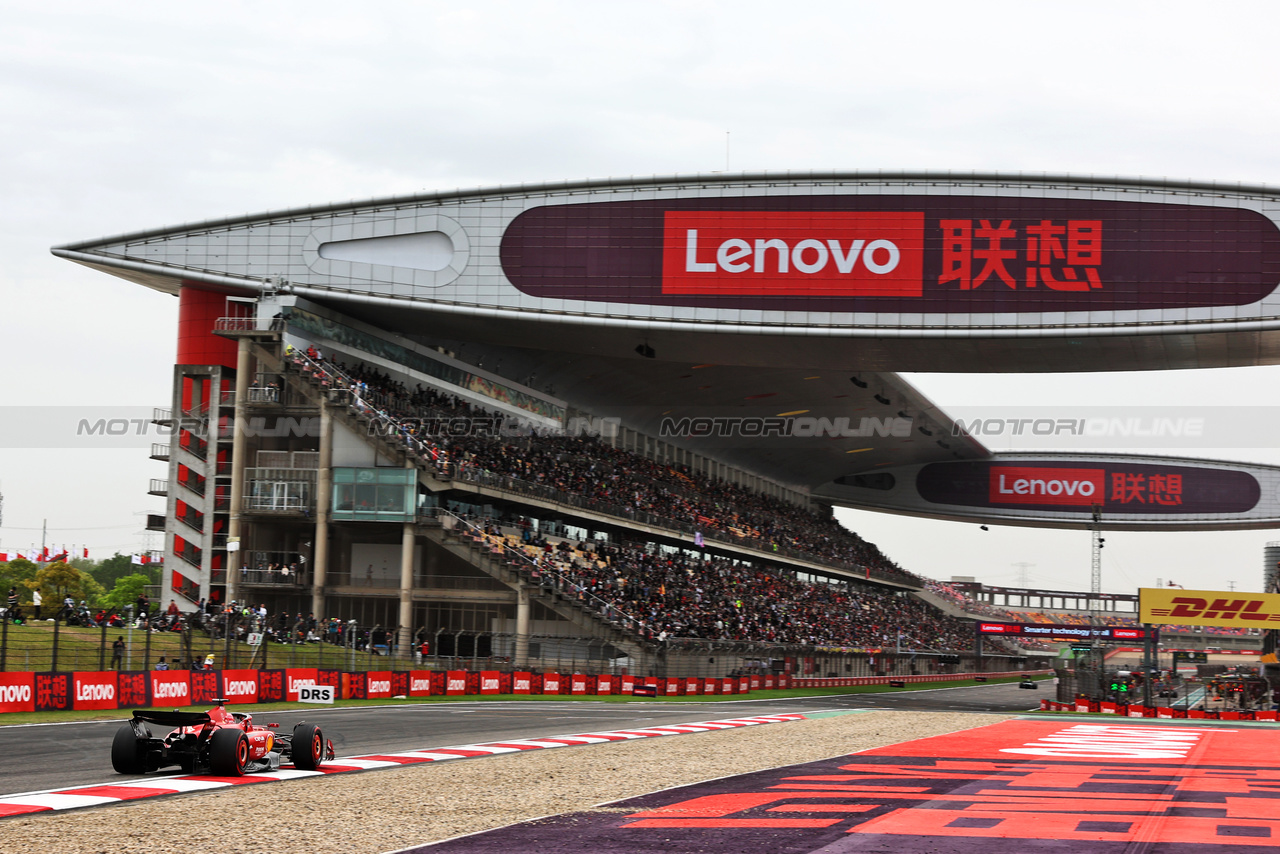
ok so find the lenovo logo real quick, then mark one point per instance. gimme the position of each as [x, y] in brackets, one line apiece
[812, 253]
[379, 686]
[95, 692]
[244, 688]
[15, 693]
[169, 690]
[1021, 485]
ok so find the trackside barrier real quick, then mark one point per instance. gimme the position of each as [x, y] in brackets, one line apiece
[33, 692]
[1086, 706]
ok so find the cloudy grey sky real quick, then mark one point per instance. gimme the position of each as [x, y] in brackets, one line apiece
[127, 116]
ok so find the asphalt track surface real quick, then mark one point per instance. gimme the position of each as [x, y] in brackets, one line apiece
[53, 756]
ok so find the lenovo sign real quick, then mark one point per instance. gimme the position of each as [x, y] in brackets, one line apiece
[17, 693]
[951, 252]
[774, 252]
[1117, 487]
[1018, 485]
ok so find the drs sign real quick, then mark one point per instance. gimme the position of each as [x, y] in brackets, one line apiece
[315, 694]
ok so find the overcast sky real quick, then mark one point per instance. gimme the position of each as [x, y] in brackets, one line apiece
[119, 117]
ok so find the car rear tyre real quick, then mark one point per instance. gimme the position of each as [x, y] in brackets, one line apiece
[128, 754]
[228, 752]
[308, 747]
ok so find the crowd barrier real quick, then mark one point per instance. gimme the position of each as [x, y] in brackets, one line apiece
[40, 692]
[1136, 710]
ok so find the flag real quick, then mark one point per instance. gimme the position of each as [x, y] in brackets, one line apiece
[136, 559]
[1172, 584]
[146, 559]
[697, 539]
[86, 551]
[58, 557]
[4, 557]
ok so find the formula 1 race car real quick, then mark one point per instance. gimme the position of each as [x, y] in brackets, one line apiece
[224, 743]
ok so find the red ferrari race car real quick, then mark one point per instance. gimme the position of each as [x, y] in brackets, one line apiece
[225, 743]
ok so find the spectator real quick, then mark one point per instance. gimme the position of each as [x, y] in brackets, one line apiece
[117, 653]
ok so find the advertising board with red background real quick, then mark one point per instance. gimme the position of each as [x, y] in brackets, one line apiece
[296, 676]
[240, 686]
[170, 688]
[378, 685]
[419, 683]
[94, 690]
[17, 692]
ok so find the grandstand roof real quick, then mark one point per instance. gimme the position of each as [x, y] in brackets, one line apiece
[598, 292]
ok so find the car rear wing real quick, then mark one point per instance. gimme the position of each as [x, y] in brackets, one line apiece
[165, 717]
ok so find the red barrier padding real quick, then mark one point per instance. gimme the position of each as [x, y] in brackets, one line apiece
[419, 683]
[171, 688]
[296, 676]
[455, 683]
[94, 690]
[17, 692]
[489, 682]
[378, 685]
[521, 682]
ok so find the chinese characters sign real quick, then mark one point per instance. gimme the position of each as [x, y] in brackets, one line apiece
[1114, 487]
[921, 254]
[1060, 256]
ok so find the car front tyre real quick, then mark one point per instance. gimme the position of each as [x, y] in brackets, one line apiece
[307, 747]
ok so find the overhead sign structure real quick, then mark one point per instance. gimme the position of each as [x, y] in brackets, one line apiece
[1061, 633]
[1113, 486]
[892, 253]
[1230, 609]
[1127, 491]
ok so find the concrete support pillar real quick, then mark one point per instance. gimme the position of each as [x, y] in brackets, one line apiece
[521, 657]
[239, 452]
[405, 638]
[324, 501]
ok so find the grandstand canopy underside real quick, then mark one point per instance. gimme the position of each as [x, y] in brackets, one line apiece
[760, 320]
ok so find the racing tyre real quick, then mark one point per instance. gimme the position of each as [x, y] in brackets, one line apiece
[308, 747]
[128, 754]
[228, 752]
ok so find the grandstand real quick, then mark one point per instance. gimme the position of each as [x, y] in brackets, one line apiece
[619, 413]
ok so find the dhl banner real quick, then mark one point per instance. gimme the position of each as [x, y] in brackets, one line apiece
[1208, 608]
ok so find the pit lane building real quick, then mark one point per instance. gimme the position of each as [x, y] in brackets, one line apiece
[748, 327]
